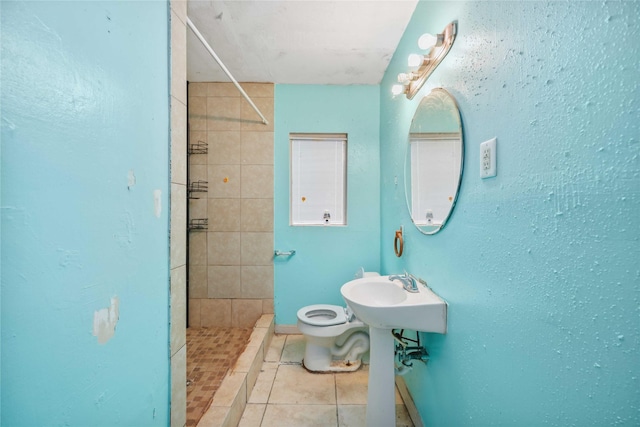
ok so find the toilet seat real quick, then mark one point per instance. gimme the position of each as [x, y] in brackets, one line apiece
[322, 315]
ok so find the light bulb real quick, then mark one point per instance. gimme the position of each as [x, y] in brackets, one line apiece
[397, 89]
[415, 60]
[427, 41]
[405, 78]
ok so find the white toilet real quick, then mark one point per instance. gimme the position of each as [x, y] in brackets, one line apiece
[335, 339]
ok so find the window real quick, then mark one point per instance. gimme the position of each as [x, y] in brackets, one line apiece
[435, 173]
[318, 179]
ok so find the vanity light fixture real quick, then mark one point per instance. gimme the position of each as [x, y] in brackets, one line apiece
[421, 66]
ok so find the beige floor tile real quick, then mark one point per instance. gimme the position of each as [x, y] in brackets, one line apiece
[248, 357]
[214, 417]
[258, 336]
[285, 394]
[293, 350]
[265, 321]
[402, 417]
[264, 383]
[275, 348]
[351, 388]
[352, 415]
[294, 385]
[252, 416]
[356, 416]
[399, 400]
[231, 386]
[300, 416]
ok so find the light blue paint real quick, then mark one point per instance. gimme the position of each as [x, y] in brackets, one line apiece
[85, 91]
[540, 264]
[326, 257]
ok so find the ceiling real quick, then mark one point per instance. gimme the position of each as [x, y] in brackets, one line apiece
[296, 41]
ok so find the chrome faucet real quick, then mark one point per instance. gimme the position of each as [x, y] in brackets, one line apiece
[408, 282]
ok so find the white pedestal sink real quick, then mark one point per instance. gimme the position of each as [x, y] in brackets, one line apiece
[385, 305]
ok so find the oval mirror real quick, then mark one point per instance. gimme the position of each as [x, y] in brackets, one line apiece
[434, 161]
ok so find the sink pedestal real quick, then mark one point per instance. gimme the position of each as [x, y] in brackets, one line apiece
[381, 398]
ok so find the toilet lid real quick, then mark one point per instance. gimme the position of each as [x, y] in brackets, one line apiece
[322, 315]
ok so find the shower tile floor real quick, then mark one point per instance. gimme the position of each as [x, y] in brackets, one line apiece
[211, 352]
[287, 395]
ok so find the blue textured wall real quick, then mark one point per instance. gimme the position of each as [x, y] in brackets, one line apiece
[85, 90]
[540, 265]
[327, 257]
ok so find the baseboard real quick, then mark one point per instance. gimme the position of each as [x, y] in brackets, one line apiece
[408, 402]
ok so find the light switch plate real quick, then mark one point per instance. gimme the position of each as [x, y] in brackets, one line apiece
[488, 159]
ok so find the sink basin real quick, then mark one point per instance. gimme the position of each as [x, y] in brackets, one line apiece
[383, 304]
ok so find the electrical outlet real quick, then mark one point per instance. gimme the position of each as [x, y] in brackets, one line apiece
[488, 159]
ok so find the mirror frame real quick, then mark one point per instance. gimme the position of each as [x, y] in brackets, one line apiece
[425, 229]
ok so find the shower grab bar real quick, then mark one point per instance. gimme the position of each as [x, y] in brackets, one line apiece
[288, 253]
[213, 54]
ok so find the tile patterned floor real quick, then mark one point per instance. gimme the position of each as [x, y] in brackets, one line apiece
[286, 394]
[211, 352]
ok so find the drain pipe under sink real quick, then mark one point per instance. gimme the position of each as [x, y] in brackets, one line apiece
[402, 369]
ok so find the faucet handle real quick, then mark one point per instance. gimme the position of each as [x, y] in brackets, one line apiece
[417, 279]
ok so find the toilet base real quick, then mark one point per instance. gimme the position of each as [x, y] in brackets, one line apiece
[336, 354]
[337, 366]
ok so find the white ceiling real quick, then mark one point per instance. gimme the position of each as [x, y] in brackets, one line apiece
[296, 41]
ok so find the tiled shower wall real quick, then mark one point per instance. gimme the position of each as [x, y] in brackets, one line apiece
[231, 263]
[178, 242]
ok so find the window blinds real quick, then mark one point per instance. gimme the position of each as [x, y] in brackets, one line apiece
[318, 179]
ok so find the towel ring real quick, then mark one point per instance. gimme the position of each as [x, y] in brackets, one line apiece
[398, 243]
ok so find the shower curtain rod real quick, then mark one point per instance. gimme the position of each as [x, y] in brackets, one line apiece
[213, 54]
